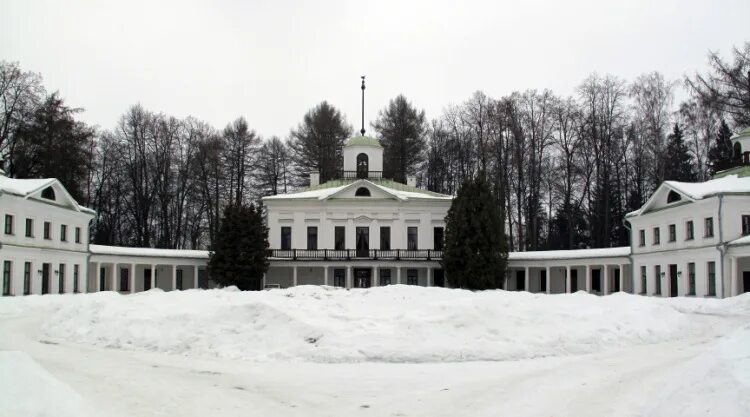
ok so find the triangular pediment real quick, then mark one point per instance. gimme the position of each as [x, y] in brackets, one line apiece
[54, 193]
[665, 197]
[359, 190]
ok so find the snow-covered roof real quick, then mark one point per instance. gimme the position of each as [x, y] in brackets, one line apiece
[744, 240]
[621, 251]
[163, 253]
[331, 188]
[730, 184]
[26, 187]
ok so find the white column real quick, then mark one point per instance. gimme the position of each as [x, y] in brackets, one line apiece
[294, 276]
[622, 278]
[549, 280]
[325, 275]
[262, 282]
[153, 276]
[97, 277]
[349, 276]
[398, 275]
[376, 276]
[733, 277]
[174, 277]
[588, 278]
[429, 276]
[568, 279]
[195, 278]
[526, 280]
[131, 274]
[605, 286]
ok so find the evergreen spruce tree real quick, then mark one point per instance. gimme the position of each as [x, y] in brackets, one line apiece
[476, 250]
[721, 155]
[678, 163]
[402, 130]
[239, 257]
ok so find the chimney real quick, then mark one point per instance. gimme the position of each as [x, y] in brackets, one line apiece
[314, 179]
[411, 180]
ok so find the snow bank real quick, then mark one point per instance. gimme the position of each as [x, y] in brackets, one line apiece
[27, 389]
[392, 324]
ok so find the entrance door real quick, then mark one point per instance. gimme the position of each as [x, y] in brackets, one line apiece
[616, 287]
[673, 280]
[543, 280]
[362, 277]
[573, 280]
[520, 280]
[746, 281]
[45, 278]
[596, 280]
[146, 279]
[363, 242]
[439, 278]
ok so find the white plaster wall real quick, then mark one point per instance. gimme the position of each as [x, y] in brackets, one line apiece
[18, 256]
[374, 155]
[700, 257]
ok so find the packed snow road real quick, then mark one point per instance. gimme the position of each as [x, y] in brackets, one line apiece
[396, 351]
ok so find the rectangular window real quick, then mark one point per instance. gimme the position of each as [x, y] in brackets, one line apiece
[286, 238]
[124, 278]
[178, 280]
[46, 233]
[691, 278]
[29, 228]
[411, 238]
[644, 279]
[709, 227]
[672, 232]
[412, 277]
[385, 277]
[78, 235]
[339, 238]
[745, 225]
[6, 277]
[642, 237]
[438, 238]
[689, 232]
[339, 277]
[61, 279]
[657, 235]
[312, 238]
[75, 278]
[27, 278]
[63, 233]
[657, 279]
[712, 278]
[8, 224]
[385, 238]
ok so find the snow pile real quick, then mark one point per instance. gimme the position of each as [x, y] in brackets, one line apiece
[391, 324]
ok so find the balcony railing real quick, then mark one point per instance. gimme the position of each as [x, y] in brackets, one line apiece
[355, 254]
[372, 175]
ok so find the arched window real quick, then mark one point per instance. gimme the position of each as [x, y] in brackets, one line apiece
[362, 192]
[48, 193]
[672, 197]
[362, 165]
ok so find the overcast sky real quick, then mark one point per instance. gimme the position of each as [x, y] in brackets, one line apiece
[271, 61]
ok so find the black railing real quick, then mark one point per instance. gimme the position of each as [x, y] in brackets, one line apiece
[356, 254]
[372, 175]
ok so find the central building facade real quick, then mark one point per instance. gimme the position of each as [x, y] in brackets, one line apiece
[359, 230]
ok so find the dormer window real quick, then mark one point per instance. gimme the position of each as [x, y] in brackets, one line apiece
[672, 197]
[362, 192]
[48, 193]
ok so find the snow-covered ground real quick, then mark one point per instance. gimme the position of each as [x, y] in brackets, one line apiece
[394, 351]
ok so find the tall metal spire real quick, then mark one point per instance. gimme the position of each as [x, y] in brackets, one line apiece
[363, 106]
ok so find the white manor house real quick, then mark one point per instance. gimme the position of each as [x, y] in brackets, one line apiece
[364, 230]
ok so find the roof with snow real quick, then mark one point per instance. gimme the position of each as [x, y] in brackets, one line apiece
[729, 184]
[744, 240]
[163, 253]
[27, 187]
[363, 141]
[743, 133]
[329, 189]
[618, 252]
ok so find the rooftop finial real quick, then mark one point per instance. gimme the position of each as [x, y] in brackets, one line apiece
[363, 106]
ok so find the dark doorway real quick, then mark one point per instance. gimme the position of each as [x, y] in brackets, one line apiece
[102, 279]
[146, 279]
[362, 277]
[596, 280]
[520, 280]
[362, 165]
[746, 281]
[440, 278]
[385, 277]
[202, 279]
[573, 280]
[363, 242]
[673, 280]
[45, 278]
[616, 286]
[543, 280]
[339, 277]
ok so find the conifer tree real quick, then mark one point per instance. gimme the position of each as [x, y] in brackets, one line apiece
[402, 130]
[240, 256]
[476, 251]
[678, 163]
[721, 155]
